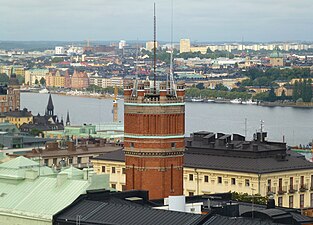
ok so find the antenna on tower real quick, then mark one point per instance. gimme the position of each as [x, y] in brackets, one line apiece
[154, 51]
[134, 93]
[172, 88]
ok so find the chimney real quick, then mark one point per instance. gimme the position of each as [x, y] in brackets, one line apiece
[270, 203]
[51, 146]
[255, 147]
[71, 146]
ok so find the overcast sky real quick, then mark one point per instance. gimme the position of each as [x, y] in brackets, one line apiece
[199, 20]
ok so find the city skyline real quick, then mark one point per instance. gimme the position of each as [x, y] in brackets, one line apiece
[198, 20]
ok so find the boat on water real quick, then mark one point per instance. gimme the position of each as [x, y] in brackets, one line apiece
[236, 101]
[249, 102]
[197, 100]
[44, 91]
[209, 100]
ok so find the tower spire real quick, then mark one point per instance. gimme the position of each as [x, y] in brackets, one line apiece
[68, 122]
[154, 51]
[50, 107]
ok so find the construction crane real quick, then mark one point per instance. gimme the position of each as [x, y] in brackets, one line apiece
[115, 108]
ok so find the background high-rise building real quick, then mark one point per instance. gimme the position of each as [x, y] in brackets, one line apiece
[184, 45]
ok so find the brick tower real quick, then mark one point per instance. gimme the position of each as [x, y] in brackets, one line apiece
[154, 126]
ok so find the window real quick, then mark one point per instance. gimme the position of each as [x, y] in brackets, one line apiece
[191, 177]
[311, 200]
[132, 144]
[70, 160]
[123, 187]
[46, 162]
[113, 169]
[280, 201]
[269, 185]
[103, 169]
[280, 184]
[302, 181]
[311, 182]
[173, 145]
[206, 179]
[233, 181]
[291, 201]
[123, 170]
[191, 194]
[219, 180]
[55, 161]
[247, 182]
[113, 186]
[79, 160]
[291, 182]
[301, 201]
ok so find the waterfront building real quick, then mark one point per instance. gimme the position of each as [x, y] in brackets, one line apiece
[79, 80]
[10, 95]
[106, 82]
[32, 194]
[112, 132]
[154, 128]
[19, 117]
[215, 163]
[59, 50]
[202, 49]
[35, 74]
[184, 45]
[48, 121]
[56, 79]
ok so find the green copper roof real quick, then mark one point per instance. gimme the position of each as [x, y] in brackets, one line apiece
[19, 162]
[73, 172]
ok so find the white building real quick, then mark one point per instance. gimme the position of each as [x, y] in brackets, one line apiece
[59, 50]
[121, 44]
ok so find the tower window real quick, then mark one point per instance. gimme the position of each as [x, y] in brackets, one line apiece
[173, 145]
[132, 144]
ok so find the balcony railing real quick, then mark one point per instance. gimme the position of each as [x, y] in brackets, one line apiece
[303, 187]
[281, 190]
[293, 188]
[271, 190]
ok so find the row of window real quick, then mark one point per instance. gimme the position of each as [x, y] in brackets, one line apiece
[113, 170]
[291, 201]
[220, 180]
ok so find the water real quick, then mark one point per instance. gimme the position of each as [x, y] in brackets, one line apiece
[295, 124]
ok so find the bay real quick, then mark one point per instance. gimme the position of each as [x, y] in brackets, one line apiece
[294, 124]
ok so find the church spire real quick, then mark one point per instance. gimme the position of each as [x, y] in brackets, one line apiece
[68, 122]
[50, 107]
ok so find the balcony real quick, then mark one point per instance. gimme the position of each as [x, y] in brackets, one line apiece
[303, 187]
[271, 190]
[293, 189]
[282, 190]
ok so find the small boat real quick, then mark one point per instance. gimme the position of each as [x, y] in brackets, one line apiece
[249, 102]
[209, 100]
[236, 101]
[197, 100]
[44, 91]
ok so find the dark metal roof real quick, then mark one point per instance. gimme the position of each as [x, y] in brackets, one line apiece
[293, 161]
[122, 212]
[218, 220]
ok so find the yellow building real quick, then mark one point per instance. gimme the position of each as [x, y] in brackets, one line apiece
[55, 79]
[202, 49]
[184, 45]
[18, 118]
[150, 45]
[216, 163]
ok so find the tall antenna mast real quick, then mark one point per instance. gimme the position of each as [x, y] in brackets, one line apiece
[154, 51]
[172, 88]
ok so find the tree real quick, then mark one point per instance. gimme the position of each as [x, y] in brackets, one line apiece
[271, 95]
[4, 78]
[221, 87]
[43, 81]
[200, 86]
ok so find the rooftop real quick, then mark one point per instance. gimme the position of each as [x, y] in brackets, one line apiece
[207, 150]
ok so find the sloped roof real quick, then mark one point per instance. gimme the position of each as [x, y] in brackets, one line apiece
[41, 197]
[19, 162]
[73, 172]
